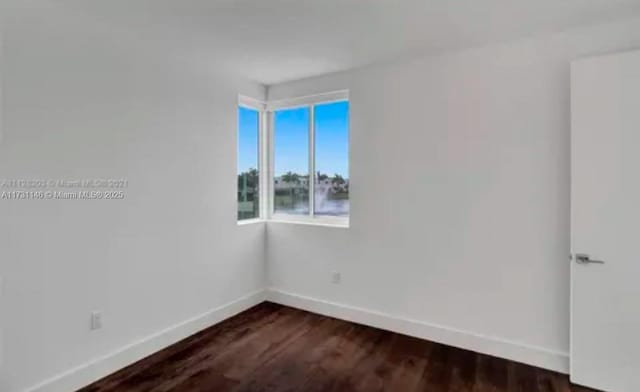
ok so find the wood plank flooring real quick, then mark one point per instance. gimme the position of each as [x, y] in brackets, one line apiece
[275, 348]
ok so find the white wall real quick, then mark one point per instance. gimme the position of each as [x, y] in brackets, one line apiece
[85, 100]
[459, 198]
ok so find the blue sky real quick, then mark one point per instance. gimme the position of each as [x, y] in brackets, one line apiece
[332, 138]
[291, 139]
[247, 139]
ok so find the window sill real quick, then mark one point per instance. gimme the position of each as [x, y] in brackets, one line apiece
[331, 221]
[325, 221]
[245, 222]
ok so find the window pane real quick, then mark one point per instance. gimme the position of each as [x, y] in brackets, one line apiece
[332, 159]
[248, 174]
[291, 161]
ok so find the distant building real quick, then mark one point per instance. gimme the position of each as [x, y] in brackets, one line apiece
[280, 184]
[323, 185]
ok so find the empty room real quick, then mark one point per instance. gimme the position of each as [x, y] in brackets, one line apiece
[319, 195]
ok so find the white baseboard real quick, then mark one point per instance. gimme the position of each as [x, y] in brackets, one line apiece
[98, 368]
[515, 351]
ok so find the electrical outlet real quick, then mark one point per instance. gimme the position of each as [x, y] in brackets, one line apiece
[336, 277]
[96, 320]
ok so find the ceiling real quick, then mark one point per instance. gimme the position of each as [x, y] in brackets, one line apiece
[271, 41]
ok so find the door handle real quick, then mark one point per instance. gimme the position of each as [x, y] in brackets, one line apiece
[582, 258]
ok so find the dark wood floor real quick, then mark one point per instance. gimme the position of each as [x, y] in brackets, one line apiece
[276, 348]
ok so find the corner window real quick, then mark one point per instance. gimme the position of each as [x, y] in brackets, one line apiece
[293, 159]
[248, 163]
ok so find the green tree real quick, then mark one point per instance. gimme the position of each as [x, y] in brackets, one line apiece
[248, 178]
[291, 178]
[337, 179]
[252, 176]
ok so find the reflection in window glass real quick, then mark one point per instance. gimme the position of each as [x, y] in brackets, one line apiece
[332, 159]
[291, 161]
[248, 173]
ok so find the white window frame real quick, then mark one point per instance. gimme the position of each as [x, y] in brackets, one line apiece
[307, 101]
[263, 193]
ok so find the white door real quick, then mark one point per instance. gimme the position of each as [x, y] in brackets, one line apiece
[605, 222]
